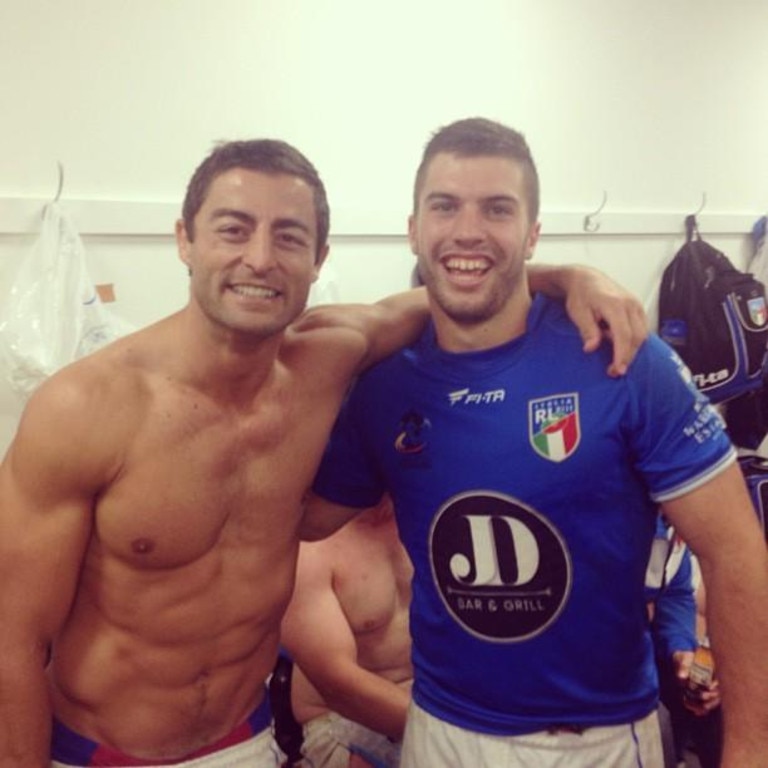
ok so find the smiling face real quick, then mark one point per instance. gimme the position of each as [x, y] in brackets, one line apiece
[253, 257]
[472, 234]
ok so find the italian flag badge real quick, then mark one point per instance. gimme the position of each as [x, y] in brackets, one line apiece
[553, 424]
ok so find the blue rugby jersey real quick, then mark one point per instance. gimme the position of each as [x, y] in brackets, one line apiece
[526, 484]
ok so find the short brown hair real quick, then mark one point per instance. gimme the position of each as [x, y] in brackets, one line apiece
[476, 137]
[266, 156]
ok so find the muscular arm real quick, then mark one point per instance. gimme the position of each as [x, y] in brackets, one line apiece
[44, 526]
[371, 331]
[317, 633]
[720, 526]
[598, 306]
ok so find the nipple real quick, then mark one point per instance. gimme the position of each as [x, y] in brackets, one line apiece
[142, 546]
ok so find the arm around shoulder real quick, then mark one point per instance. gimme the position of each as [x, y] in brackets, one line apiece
[598, 306]
[373, 331]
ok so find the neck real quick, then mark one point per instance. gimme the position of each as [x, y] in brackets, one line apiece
[224, 364]
[454, 335]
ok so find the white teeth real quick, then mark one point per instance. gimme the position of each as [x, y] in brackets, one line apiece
[466, 265]
[254, 291]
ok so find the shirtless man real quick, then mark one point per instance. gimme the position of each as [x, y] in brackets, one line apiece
[151, 499]
[347, 631]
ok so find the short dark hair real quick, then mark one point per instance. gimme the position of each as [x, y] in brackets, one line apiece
[266, 156]
[476, 137]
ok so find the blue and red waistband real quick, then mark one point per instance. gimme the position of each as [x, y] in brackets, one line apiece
[71, 748]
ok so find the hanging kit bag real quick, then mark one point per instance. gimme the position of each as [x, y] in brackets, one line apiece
[715, 318]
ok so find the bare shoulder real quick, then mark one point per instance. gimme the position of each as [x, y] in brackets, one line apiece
[100, 381]
[347, 551]
[80, 415]
[317, 559]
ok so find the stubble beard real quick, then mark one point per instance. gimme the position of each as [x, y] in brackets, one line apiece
[471, 310]
[250, 328]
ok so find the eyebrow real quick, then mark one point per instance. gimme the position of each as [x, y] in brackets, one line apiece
[502, 199]
[246, 218]
[221, 213]
[489, 199]
[288, 223]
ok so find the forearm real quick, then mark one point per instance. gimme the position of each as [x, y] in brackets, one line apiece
[737, 620]
[674, 623]
[550, 279]
[396, 321]
[668, 639]
[371, 700]
[25, 714]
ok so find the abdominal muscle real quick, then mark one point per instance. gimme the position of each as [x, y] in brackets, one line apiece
[158, 663]
[191, 562]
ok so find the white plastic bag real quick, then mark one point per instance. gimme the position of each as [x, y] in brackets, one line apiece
[52, 315]
[325, 290]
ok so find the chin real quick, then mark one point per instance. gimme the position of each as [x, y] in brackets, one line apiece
[251, 328]
[467, 312]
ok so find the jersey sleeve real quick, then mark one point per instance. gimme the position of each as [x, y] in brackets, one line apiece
[674, 624]
[347, 475]
[678, 437]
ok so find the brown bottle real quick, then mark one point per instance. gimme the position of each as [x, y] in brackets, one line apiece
[702, 671]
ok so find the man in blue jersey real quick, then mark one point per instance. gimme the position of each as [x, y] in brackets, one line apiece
[526, 485]
[672, 605]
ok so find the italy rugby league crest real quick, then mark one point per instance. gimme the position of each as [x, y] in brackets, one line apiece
[757, 310]
[553, 426]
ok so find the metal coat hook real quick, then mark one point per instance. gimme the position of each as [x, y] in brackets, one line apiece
[61, 183]
[589, 224]
[703, 204]
[691, 222]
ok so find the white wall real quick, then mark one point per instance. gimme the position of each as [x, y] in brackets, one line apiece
[657, 103]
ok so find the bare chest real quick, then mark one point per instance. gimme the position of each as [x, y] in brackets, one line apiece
[197, 477]
[374, 588]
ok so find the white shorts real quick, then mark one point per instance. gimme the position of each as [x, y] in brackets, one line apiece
[331, 740]
[433, 743]
[259, 751]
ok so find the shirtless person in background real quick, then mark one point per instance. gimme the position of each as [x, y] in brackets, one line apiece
[151, 499]
[347, 631]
